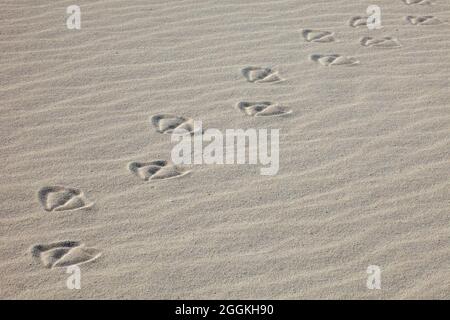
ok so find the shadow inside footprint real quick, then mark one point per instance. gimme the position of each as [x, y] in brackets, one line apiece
[385, 42]
[64, 254]
[260, 75]
[262, 109]
[156, 170]
[317, 35]
[358, 21]
[168, 124]
[334, 60]
[423, 20]
[59, 198]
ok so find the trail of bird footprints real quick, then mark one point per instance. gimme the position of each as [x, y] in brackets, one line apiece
[67, 199]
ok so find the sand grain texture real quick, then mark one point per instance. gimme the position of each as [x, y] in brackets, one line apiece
[364, 157]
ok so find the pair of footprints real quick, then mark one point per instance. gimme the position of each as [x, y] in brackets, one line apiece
[421, 20]
[327, 36]
[63, 253]
[170, 124]
[360, 21]
[262, 108]
[339, 60]
[60, 198]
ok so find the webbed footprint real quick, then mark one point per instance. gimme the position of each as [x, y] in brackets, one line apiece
[168, 124]
[64, 253]
[385, 42]
[423, 20]
[262, 109]
[156, 170]
[318, 35]
[334, 60]
[260, 75]
[59, 198]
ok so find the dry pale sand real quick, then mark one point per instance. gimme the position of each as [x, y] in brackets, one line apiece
[364, 162]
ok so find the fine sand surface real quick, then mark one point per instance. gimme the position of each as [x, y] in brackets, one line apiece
[364, 173]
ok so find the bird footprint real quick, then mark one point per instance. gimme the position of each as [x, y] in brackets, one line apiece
[334, 60]
[260, 75]
[423, 20]
[64, 253]
[318, 36]
[59, 198]
[262, 109]
[358, 21]
[385, 42]
[168, 124]
[156, 170]
[421, 2]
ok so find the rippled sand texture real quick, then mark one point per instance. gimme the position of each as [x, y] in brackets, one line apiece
[86, 179]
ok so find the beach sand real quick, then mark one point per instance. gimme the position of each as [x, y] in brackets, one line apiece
[364, 175]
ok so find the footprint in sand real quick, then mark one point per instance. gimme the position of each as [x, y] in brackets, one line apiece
[59, 198]
[64, 253]
[358, 21]
[385, 42]
[317, 35]
[262, 109]
[334, 60]
[423, 20]
[168, 124]
[260, 75]
[421, 2]
[156, 170]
